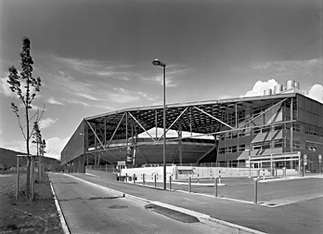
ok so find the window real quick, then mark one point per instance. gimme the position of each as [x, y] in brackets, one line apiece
[242, 147]
[221, 150]
[278, 143]
[265, 144]
[256, 146]
[277, 127]
[234, 148]
[256, 130]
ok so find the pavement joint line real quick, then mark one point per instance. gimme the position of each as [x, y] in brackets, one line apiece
[267, 204]
[198, 215]
[59, 210]
[91, 175]
[203, 217]
[97, 185]
[219, 197]
[289, 178]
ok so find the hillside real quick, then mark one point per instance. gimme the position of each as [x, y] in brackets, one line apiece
[9, 159]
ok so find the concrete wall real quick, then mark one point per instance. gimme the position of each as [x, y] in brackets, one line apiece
[183, 172]
[102, 174]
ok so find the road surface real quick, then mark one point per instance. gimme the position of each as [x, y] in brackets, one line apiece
[91, 209]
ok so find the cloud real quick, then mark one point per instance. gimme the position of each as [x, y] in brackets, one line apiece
[5, 88]
[87, 96]
[172, 77]
[53, 149]
[259, 87]
[121, 95]
[287, 69]
[54, 146]
[97, 68]
[45, 123]
[316, 92]
[53, 101]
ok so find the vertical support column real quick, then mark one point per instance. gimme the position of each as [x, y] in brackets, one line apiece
[156, 124]
[180, 146]
[291, 124]
[191, 120]
[96, 151]
[236, 114]
[105, 132]
[127, 129]
[135, 147]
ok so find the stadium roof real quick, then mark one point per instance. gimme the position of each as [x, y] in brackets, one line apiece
[201, 117]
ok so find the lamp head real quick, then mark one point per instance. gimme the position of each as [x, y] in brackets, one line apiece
[157, 62]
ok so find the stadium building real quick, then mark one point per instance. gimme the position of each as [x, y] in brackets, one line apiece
[282, 128]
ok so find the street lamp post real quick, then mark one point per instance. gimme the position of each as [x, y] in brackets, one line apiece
[157, 62]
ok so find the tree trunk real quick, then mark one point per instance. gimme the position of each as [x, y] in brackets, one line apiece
[28, 185]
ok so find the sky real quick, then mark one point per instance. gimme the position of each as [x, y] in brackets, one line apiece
[96, 56]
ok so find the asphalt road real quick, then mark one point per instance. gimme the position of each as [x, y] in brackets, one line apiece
[300, 216]
[90, 209]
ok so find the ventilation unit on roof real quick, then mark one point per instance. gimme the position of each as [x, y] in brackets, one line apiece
[268, 92]
[278, 88]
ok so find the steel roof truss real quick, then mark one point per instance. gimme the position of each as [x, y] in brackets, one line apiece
[178, 117]
[214, 118]
[263, 112]
[120, 121]
[96, 136]
[142, 127]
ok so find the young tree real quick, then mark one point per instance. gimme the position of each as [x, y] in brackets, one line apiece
[26, 87]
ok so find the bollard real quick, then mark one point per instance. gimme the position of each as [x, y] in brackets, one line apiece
[143, 179]
[189, 184]
[284, 172]
[198, 178]
[126, 177]
[263, 174]
[170, 182]
[216, 187]
[255, 191]
[134, 178]
[155, 180]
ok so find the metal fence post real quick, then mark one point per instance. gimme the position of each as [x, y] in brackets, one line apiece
[189, 184]
[255, 190]
[170, 182]
[216, 186]
[155, 180]
[134, 178]
[143, 179]
[17, 181]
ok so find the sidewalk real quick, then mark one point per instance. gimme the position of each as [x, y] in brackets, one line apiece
[301, 217]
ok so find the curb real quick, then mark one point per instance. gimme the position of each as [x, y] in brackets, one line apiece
[222, 226]
[59, 210]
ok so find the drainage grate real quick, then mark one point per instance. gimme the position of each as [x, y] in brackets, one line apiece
[118, 207]
[271, 204]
